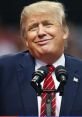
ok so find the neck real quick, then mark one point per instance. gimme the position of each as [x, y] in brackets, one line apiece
[49, 59]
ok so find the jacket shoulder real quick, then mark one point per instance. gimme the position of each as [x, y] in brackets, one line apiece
[12, 58]
[74, 60]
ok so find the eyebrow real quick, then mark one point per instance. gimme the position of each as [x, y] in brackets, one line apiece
[32, 25]
[36, 23]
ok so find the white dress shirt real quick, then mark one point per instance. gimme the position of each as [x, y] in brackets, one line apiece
[60, 61]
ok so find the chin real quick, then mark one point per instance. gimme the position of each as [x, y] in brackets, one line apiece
[46, 49]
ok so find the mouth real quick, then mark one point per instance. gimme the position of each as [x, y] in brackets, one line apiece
[43, 42]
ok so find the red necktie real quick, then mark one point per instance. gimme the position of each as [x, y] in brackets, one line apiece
[48, 84]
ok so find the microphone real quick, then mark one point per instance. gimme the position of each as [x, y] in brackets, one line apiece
[62, 76]
[38, 77]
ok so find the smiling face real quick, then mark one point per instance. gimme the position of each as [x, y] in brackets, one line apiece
[45, 37]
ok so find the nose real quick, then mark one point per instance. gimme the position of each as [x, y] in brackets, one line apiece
[41, 30]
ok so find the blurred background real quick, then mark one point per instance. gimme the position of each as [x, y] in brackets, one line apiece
[10, 41]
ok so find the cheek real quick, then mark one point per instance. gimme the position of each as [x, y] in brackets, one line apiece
[30, 40]
[31, 36]
[58, 40]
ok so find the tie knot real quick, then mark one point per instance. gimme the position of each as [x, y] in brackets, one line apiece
[51, 68]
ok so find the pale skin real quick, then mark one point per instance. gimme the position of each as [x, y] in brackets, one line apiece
[45, 37]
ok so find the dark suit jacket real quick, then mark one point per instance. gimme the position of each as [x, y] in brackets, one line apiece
[17, 97]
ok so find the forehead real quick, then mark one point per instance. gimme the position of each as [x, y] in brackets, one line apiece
[39, 17]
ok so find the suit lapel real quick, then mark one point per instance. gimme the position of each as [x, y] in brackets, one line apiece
[70, 89]
[25, 70]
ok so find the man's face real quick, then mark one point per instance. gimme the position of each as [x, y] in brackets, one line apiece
[44, 36]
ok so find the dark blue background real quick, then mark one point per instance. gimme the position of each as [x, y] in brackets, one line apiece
[10, 10]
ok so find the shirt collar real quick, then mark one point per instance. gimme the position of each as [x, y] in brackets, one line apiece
[60, 61]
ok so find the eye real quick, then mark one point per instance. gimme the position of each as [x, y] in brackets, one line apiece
[47, 24]
[33, 27]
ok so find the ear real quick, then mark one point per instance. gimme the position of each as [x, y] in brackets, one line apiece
[26, 42]
[65, 35]
[66, 32]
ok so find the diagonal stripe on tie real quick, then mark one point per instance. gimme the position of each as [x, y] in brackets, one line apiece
[48, 84]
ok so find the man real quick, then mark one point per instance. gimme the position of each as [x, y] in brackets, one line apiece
[44, 29]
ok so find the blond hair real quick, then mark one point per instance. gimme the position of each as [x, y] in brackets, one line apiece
[43, 6]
